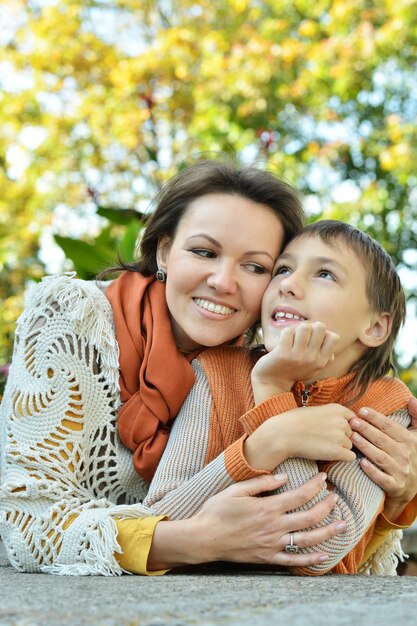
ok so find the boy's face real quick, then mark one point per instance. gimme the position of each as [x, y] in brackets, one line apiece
[317, 282]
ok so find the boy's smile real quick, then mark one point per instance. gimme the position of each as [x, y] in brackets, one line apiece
[318, 282]
[286, 315]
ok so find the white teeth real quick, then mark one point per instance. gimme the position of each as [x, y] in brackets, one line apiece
[214, 308]
[290, 316]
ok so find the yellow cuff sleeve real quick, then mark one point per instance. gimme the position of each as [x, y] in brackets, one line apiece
[134, 536]
[383, 526]
[378, 537]
[407, 517]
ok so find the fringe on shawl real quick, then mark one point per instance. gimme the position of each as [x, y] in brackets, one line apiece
[98, 557]
[384, 561]
[100, 541]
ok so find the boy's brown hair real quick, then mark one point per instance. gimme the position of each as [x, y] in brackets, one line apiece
[383, 289]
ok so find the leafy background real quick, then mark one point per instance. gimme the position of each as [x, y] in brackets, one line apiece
[103, 100]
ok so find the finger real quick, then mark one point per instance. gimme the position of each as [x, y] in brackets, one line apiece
[298, 560]
[286, 341]
[390, 438]
[316, 536]
[348, 456]
[314, 342]
[302, 336]
[383, 424]
[318, 333]
[340, 453]
[339, 410]
[289, 500]
[329, 345]
[369, 440]
[347, 441]
[383, 480]
[412, 407]
[373, 453]
[257, 485]
[300, 520]
[318, 345]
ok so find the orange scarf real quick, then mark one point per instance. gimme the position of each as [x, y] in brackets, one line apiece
[154, 377]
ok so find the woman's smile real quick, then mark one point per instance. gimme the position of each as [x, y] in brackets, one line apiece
[215, 281]
[208, 306]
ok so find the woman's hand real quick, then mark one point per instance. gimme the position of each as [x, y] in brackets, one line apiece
[236, 525]
[392, 451]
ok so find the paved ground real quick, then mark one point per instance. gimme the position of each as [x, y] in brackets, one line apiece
[255, 598]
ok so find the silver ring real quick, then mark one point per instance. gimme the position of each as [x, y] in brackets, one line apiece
[291, 547]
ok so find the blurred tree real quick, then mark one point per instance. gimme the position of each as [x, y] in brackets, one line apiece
[102, 100]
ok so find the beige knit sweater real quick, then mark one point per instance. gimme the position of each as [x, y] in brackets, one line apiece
[204, 455]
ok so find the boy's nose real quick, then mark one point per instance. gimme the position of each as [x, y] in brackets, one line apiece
[290, 286]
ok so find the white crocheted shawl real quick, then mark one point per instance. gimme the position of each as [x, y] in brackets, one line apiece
[60, 453]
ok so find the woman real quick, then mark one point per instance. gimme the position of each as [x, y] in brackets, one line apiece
[211, 214]
[68, 489]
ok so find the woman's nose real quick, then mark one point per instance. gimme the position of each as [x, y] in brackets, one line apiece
[223, 279]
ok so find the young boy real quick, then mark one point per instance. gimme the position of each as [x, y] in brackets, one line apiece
[329, 318]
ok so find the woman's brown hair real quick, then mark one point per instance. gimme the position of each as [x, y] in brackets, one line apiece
[208, 177]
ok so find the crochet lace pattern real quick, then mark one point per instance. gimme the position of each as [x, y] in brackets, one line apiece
[65, 474]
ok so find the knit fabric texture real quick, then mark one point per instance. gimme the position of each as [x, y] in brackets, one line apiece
[65, 475]
[204, 455]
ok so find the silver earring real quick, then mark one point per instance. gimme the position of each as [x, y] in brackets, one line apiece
[161, 276]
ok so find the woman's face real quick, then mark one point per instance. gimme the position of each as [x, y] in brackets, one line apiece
[218, 266]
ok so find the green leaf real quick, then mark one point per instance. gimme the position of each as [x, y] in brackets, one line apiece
[128, 243]
[88, 259]
[107, 238]
[119, 216]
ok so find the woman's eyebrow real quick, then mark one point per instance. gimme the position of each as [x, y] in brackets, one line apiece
[211, 239]
[218, 244]
[264, 252]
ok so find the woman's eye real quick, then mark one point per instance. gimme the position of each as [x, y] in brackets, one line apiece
[255, 268]
[208, 254]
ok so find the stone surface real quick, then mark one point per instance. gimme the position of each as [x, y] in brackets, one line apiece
[251, 598]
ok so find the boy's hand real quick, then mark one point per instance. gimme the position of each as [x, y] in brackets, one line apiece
[300, 352]
[318, 433]
[322, 433]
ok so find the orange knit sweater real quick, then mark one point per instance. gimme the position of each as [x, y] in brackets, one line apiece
[205, 451]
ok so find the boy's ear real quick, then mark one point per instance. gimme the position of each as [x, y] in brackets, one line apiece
[378, 331]
[162, 251]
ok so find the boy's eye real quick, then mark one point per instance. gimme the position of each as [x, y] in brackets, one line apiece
[204, 252]
[283, 270]
[323, 273]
